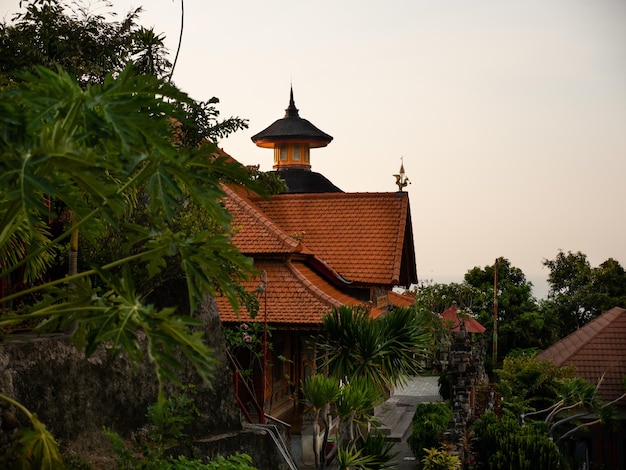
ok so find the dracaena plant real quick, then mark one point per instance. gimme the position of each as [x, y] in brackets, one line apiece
[77, 163]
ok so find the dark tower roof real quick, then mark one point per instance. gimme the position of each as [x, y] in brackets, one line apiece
[291, 128]
[299, 180]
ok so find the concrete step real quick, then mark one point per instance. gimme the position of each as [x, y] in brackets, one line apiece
[402, 427]
[396, 418]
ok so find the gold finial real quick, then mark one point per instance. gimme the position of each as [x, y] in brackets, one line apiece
[401, 179]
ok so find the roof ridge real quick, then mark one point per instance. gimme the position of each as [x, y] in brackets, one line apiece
[397, 256]
[607, 319]
[340, 195]
[313, 288]
[251, 209]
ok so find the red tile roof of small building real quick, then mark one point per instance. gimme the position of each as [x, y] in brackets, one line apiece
[453, 316]
[596, 349]
[296, 295]
[359, 235]
[400, 300]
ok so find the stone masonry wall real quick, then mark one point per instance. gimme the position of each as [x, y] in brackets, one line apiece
[75, 397]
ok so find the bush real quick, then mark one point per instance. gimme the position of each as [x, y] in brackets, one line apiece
[503, 443]
[440, 459]
[166, 429]
[429, 422]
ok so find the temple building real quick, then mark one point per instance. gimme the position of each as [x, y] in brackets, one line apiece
[316, 248]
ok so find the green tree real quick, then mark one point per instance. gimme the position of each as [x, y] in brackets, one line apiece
[320, 392]
[440, 459]
[92, 149]
[89, 46]
[384, 351]
[437, 297]
[52, 33]
[503, 443]
[521, 322]
[521, 325]
[527, 383]
[579, 293]
[363, 358]
[429, 423]
[579, 405]
[432, 299]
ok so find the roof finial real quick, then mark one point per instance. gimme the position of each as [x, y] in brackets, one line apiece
[291, 111]
[401, 179]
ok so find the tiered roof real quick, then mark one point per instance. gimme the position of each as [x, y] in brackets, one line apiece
[296, 296]
[316, 248]
[366, 237]
[291, 128]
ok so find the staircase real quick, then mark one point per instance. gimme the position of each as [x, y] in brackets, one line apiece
[396, 417]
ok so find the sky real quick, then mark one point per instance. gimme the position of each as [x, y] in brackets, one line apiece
[510, 117]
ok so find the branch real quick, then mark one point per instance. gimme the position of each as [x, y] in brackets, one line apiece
[566, 420]
[571, 431]
[78, 276]
[71, 230]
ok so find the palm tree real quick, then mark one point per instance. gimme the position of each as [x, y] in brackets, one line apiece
[384, 351]
[366, 357]
[319, 393]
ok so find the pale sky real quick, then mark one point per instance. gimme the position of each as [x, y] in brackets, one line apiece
[510, 116]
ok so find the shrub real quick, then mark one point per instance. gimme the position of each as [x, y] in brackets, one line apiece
[503, 443]
[440, 459]
[429, 422]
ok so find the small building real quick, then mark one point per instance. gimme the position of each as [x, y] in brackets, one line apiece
[317, 248]
[598, 352]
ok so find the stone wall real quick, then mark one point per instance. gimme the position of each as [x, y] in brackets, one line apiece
[75, 397]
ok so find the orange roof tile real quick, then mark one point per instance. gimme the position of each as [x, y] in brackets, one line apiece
[295, 295]
[254, 233]
[597, 348]
[359, 235]
[454, 317]
[400, 300]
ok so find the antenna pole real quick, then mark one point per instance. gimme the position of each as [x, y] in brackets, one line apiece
[495, 314]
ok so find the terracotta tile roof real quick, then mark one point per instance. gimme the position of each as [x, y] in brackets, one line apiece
[254, 232]
[453, 316]
[296, 295]
[597, 348]
[400, 300]
[359, 235]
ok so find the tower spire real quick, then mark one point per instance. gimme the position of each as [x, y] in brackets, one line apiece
[291, 111]
[291, 138]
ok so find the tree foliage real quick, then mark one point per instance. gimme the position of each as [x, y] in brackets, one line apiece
[361, 359]
[521, 322]
[429, 423]
[579, 292]
[437, 297]
[503, 443]
[521, 325]
[89, 46]
[92, 150]
[527, 383]
[384, 351]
